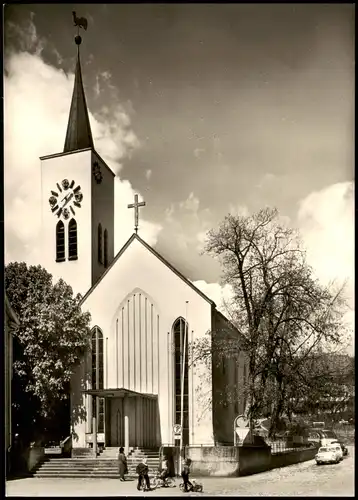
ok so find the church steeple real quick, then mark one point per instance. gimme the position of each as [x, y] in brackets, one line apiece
[78, 135]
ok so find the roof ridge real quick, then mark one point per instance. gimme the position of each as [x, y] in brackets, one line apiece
[159, 256]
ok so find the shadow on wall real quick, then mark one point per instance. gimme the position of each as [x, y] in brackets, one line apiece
[79, 383]
[158, 435]
[172, 455]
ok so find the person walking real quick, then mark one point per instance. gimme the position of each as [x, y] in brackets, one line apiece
[188, 486]
[164, 473]
[122, 464]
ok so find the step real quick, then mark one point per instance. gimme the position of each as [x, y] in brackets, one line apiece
[85, 475]
[70, 475]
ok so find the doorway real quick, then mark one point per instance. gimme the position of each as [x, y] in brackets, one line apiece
[116, 423]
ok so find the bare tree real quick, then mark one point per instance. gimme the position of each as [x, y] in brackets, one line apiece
[282, 312]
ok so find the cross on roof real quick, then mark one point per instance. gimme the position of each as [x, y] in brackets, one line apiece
[136, 206]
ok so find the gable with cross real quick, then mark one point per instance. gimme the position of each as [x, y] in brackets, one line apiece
[136, 206]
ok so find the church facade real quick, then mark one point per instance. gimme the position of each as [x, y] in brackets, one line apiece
[136, 384]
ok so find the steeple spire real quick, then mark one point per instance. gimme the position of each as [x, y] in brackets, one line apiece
[78, 135]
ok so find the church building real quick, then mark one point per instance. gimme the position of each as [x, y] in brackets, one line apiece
[136, 387]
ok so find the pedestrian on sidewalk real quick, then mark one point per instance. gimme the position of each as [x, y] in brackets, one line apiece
[122, 464]
[188, 486]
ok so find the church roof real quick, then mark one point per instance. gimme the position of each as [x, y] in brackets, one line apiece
[160, 257]
[78, 135]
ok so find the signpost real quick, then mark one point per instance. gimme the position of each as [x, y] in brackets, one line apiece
[177, 431]
[241, 429]
[177, 428]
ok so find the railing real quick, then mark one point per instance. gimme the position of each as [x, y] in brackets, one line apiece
[66, 444]
[282, 446]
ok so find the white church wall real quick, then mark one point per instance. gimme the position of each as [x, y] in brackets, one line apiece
[164, 294]
[72, 166]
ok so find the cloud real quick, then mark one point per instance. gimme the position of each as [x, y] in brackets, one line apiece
[191, 203]
[186, 223]
[198, 152]
[148, 174]
[25, 36]
[326, 222]
[240, 210]
[267, 179]
[221, 295]
[124, 218]
[36, 108]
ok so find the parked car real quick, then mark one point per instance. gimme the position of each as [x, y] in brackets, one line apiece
[338, 447]
[329, 437]
[328, 455]
[343, 447]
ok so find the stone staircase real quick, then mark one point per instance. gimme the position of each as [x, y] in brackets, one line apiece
[104, 466]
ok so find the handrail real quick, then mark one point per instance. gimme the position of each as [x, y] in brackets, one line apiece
[62, 443]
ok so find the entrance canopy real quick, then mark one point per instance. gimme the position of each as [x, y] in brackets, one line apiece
[116, 393]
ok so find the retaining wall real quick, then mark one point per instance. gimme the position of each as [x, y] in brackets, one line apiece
[292, 457]
[219, 461]
[231, 461]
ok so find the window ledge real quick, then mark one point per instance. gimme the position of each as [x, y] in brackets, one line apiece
[62, 259]
[75, 257]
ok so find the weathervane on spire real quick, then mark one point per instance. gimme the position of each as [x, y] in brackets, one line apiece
[80, 22]
[136, 206]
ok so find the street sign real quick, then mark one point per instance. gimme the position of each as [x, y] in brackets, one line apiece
[177, 430]
[241, 429]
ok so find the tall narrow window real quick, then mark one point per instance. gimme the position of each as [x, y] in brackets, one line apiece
[72, 240]
[60, 241]
[97, 376]
[105, 238]
[100, 256]
[180, 331]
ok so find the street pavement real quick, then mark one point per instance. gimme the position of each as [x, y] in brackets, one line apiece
[304, 479]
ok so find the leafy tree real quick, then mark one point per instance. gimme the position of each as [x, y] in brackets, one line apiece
[49, 342]
[282, 312]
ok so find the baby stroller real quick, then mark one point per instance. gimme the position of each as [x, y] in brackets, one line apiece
[159, 482]
[196, 486]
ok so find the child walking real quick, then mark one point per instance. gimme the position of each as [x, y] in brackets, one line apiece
[185, 475]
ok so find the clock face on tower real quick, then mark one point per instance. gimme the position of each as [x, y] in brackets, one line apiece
[65, 199]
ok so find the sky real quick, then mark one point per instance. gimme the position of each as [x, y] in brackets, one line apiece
[201, 109]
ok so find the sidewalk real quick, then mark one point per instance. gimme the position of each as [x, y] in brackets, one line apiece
[52, 487]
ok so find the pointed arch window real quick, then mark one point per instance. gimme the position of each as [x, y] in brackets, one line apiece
[60, 242]
[99, 241]
[72, 240]
[105, 238]
[180, 332]
[97, 376]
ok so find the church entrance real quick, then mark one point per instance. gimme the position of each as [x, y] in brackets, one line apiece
[115, 422]
[131, 418]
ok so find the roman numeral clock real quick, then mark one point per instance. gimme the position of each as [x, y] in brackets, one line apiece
[65, 199]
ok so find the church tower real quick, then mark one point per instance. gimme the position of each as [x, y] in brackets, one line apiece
[77, 201]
